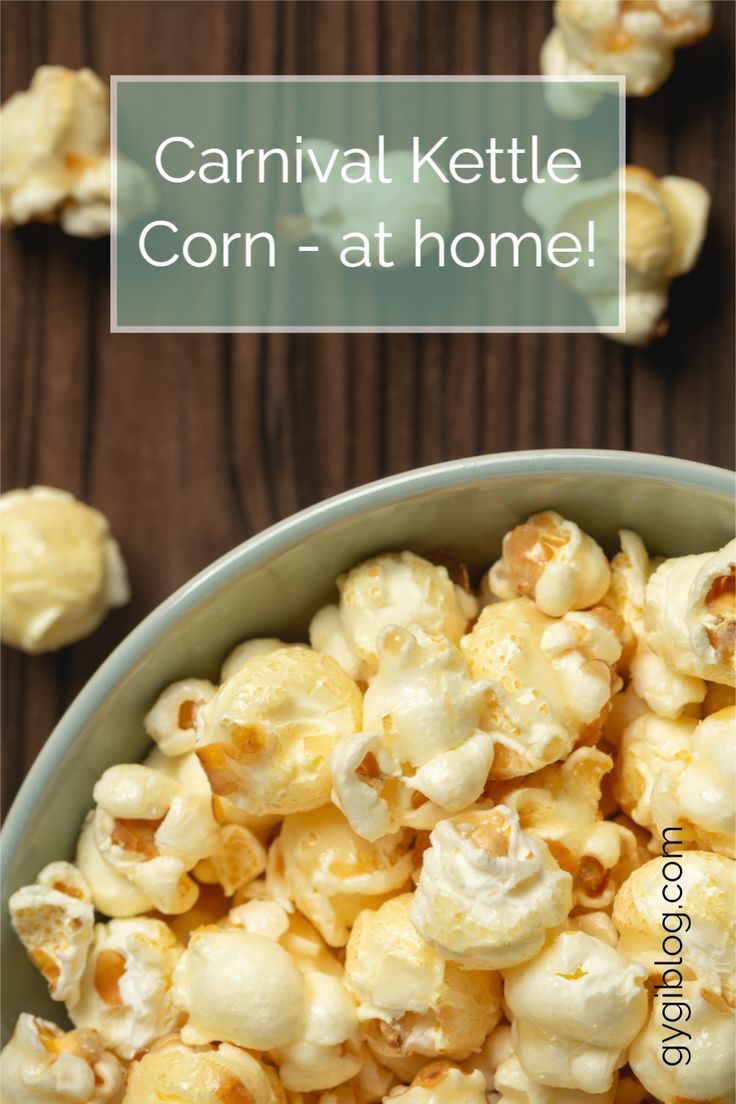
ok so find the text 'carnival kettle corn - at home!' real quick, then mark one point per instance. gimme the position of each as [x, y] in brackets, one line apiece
[462, 848]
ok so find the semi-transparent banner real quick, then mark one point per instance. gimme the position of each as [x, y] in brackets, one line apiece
[368, 204]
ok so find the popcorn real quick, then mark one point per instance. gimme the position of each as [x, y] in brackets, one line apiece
[488, 893]
[665, 227]
[269, 730]
[241, 653]
[552, 561]
[708, 885]
[706, 1070]
[336, 207]
[239, 859]
[331, 873]
[561, 805]
[398, 589]
[126, 988]
[697, 792]
[112, 892]
[61, 569]
[516, 1087]
[327, 1051]
[225, 1075]
[576, 1008]
[690, 614]
[412, 1000]
[154, 831]
[44, 1065]
[602, 37]
[53, 919]
[646, 746]
[423, 751]
[175, 720]
[55, 160]
[239, 988]
[552, 680]
[442, 1083]
[664, 690]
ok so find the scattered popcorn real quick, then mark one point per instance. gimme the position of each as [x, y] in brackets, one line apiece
[708, 885]
[413, 1001]
[635, 39]
[54, 151]
[395, 589]
[175, 720]
[488, 893]
[54, 920]
[270, 729]
[442, 1083]
[709, 1074]
[337, 207]
[225, 1075]
[576, 1008]
[126, 991]
[61, 569]
[332, 874]
[690, 614]
[553, 680]
[552, 561]
[666, 222]
[423, 752]
[41, 1064]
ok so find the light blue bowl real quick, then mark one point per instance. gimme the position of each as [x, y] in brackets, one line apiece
[273, 583]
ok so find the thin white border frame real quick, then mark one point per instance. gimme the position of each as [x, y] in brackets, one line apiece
[537, 78]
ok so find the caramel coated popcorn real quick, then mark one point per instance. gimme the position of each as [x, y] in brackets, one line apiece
[439, 856]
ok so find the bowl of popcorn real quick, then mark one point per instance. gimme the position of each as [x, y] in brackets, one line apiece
[424, 795]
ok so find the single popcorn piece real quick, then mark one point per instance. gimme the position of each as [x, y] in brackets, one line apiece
[154, 832]
[552, 680]
[635, 39]
[646, 746]
[703, 891]
[423, 751]
[332, 874]
[337, 206]
[552, 561]
[394, 589]
[666, 691]
[666, 221]
[239, 988]
[576, 1008]
[561, 805]
[225, 1075]
[516, 1087]
[61, 569]
[705, 1027]
[690, 614]
[697, 792]
[327, 1051]
[488, 893]
[175, 720]
[113, 894]
[126, 990]
[241, 653]
[442, 1083]
[54, 152]
[54, 919]
[269, 731]
[411, 1000]
[41, 1064]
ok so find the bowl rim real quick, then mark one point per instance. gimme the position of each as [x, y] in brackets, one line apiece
[276, 538]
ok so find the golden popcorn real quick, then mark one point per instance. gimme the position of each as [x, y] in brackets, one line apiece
[552, 561]
[422, 751]
[175, 719]
[332, 874]
[221, 1075]
[576, 1008]
[488, 893]
[395, 589]
[54, 919]
[41, 1064]
[411, 999]
[61, 569]
[269, 731]
[442, 1083]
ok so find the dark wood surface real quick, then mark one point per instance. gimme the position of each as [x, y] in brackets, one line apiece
[190, 443]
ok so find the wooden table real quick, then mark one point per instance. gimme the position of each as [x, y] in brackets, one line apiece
[190, 443]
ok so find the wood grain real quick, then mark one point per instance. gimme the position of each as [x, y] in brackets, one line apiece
[190, 443]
